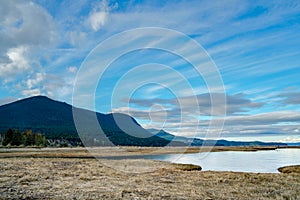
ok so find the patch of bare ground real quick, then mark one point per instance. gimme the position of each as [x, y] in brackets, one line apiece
[65, 178]
[290, 169]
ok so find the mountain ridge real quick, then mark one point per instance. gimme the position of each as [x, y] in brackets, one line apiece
[201, 142]
[54, 119]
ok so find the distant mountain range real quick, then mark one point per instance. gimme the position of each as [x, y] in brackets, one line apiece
[293, 144]
[200, 142]
[55, 120]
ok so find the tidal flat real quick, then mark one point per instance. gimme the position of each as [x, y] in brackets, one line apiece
[75, 174]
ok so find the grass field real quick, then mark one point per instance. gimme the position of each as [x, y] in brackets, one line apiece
[77, 176]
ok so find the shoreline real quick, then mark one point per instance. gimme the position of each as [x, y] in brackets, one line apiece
[112, 154]
[118, 152]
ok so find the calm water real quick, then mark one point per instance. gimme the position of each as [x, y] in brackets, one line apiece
[258, 161]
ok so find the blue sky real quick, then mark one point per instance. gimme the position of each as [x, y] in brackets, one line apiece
[253, 44]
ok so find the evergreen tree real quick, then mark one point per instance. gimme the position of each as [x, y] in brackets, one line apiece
[28, 138]
[16, 138]
[8, 137]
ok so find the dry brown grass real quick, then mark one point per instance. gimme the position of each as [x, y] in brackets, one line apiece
[66, 178]
[290, 169]
[187, 167]
[113, 151]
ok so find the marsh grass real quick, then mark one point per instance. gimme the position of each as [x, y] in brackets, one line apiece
[113, 151]
[187, 167]
[290, 169]
[81, 178]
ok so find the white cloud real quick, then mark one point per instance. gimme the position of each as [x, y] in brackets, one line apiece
[78, 38]
[291, 139]
[206, 103]
[55, 86]
[98, 16]
[17, 62]
[176, 122]
[290, 97]
[39, 77]
[33, 86]
[27, 30]
[31, 92]
[72, 69]
[98, 19]
[26, 23]
[60, 87]
[269, 118]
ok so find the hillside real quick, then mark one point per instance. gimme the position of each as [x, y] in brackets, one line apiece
[168, 136]
[54, 119]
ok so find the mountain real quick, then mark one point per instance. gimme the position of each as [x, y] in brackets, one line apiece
[200, 142]
[55, 120]
[165, 135]
[293, 144]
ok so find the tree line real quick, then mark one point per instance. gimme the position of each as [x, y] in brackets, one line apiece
[26, 138]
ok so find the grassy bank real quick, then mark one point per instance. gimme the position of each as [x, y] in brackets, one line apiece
[72, 173]
[290, 169]
[104, 152]
[61, 178]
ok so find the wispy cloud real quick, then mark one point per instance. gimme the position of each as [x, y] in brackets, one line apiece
[290, 97]
[72, 69]
[98, 16]
[233, 104]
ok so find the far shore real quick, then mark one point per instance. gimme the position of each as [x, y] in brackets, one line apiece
[119, 151]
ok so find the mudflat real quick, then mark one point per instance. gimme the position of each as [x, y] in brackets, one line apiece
[72, 173]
